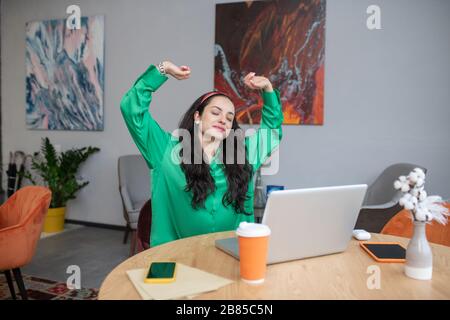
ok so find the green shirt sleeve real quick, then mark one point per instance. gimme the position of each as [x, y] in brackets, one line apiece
[150, 139]
[268, 136]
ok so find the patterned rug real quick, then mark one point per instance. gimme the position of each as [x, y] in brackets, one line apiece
[43, 289]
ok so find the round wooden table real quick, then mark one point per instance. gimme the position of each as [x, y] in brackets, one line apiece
[347, 275]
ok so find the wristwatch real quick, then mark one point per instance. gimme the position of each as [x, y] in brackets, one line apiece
[161, 69]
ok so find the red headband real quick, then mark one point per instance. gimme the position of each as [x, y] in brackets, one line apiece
[213, 93]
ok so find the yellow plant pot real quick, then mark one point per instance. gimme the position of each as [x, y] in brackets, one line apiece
[54, 220]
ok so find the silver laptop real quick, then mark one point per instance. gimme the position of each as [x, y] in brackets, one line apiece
[307, 222]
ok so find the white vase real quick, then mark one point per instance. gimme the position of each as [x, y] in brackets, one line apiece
[419, 258]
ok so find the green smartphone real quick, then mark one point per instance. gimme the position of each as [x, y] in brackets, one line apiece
[161, 272]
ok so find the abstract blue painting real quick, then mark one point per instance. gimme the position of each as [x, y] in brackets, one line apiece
[65, 75]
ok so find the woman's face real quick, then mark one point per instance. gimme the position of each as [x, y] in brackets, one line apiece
[217, 118]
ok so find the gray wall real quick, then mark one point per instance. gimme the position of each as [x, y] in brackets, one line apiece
[386, 92]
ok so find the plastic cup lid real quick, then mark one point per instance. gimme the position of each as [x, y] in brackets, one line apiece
[252, 230]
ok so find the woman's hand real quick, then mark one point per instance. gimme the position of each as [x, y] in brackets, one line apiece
[257, 82]
[180, 73]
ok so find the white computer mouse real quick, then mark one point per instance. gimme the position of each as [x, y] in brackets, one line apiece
[361, 234]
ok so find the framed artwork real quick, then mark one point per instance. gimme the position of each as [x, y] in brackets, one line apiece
[283, 40]
[65, 75]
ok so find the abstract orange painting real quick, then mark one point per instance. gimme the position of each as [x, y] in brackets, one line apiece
[283, 40]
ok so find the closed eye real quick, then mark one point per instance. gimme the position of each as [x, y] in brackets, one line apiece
[216, 111]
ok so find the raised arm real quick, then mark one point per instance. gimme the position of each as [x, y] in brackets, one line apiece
[268, 136]
[149, 137]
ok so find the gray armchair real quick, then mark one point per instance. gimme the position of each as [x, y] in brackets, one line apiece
[381, 201]
[134, 187]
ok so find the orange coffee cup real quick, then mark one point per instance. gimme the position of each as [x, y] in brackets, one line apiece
[253, 247]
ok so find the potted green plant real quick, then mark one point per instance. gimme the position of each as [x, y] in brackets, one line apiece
[58, 172]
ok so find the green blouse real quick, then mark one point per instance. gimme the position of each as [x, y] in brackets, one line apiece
[173, 216]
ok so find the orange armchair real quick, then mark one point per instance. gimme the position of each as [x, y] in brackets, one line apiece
[21, 220]
[401, 225]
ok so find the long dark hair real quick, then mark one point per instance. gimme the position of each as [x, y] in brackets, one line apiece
[198, 176]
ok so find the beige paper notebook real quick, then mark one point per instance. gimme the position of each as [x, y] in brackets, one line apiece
[189, 282]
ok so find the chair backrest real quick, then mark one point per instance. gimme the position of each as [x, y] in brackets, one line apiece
[401, 225]
[134, 177]
[21, 220]
[144, 226]
[382, 190]
[23, 204]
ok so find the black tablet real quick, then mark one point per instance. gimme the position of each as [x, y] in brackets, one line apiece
[385, 251]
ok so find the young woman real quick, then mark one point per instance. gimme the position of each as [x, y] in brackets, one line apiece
[194, 195]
